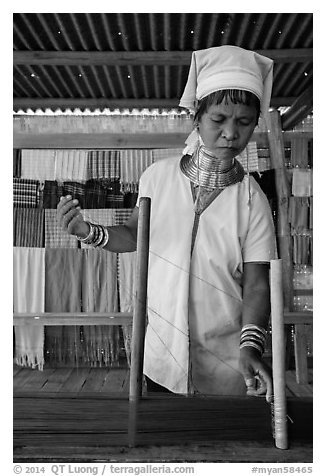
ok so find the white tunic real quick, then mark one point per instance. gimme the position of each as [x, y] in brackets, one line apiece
[195, 301]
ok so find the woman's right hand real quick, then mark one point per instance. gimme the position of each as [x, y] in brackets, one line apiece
[69, 217]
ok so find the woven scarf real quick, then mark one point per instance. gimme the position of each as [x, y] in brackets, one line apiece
[55, 236]
[26, 193]
[28, 227]
[99, 294]
[17, 162]
[28, 290]
[103, 164]
[38, 164]
[103, 193]
[63, 285]
[70, 165]
[133, 164]
[126, 281]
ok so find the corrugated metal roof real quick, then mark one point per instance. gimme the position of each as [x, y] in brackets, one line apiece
[63, 59]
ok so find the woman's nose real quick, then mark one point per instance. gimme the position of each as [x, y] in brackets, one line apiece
[230, 131]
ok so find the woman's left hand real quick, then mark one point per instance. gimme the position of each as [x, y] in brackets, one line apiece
[256, 374]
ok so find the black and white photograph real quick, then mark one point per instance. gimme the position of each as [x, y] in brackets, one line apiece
[162, 242]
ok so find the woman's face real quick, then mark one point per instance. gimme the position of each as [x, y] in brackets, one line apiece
[226, 128]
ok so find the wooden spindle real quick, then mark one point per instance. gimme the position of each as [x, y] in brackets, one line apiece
[278, 356]
[139, 316]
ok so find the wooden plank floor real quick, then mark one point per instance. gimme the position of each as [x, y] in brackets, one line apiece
[106, 380]
[67, 380]
[63, 412]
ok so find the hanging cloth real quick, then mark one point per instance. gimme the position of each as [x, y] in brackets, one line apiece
[50, 194]
[133, 164]
[75, 189]
[38, 164]
[28, 227]
[26, 193]
[159, 154]
[249, 157]
[17, 162]
[302, 182]
[63, 284]
[28, 291]
[126, 282]
[99, 294]
[103, 193]
[70, 165]
[55, 236]
[103, 164]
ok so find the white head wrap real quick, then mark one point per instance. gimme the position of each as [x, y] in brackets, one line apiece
[228, 67]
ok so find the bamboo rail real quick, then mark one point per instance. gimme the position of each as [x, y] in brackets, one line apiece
[278, 356]
[139, 317]
[72, 319]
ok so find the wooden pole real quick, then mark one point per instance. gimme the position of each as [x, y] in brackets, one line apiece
[278, 355]
[139, 317]
[277, 154]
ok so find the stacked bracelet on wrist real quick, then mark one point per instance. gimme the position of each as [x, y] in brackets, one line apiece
[253, 336]
[98, 236]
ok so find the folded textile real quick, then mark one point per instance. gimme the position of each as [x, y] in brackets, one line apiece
[299, 213]
[63, 285]
[75, 189]
[126, 280]
[101, 344]
[133, 164]
[104, 193]
[26, 193]
[38, 164]
[50, 194]
[103, 164]
[55, 236]
[70, 165]
[122, 215]
[302, 182]
[17, 162]
[28, 293]
[28, 227]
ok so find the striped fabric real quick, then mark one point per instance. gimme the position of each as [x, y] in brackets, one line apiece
[28, 294]
[38, 164]
[133, 164]
[70, 165]
[122, 215]
[103, 164]
[126, 280]
[75, 189]
[26, 192]
[63, 284]
[49, 196]
[159, 154]
[17, 163]
[249, 157]
[28, 227]
[103, 194]
[99, 294]
[55, 237]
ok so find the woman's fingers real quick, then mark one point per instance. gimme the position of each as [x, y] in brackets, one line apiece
[65, 207]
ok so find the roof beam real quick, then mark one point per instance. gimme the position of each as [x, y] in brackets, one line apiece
[129, 103]
[134, 58]
[299, 110]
